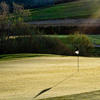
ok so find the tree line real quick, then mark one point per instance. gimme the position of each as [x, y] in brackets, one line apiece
[13, 23]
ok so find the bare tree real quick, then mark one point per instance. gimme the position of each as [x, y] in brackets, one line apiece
[18, 9]
[4, 8]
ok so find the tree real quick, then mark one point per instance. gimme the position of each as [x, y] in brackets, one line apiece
[4, 25]
[4, 8]
[18, 9]
[82, 42]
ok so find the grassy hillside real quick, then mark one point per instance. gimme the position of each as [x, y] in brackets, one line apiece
[78, 9]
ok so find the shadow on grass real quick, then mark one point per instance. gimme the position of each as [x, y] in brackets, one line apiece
[95, 95]
[15, 56]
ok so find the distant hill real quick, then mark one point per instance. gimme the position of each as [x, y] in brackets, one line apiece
[36, 3]
[72, 10]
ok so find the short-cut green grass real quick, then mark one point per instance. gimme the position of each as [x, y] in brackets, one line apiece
[78, 9]
[22, 79]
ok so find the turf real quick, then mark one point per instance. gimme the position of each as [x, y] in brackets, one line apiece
[22, 79]
[79, 9]
[95, 95]
[21, 55]
[95, 39]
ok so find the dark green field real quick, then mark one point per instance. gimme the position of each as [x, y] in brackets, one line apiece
[79, 9]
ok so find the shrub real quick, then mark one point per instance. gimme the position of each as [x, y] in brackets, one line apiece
[35, 44]
[82, 42]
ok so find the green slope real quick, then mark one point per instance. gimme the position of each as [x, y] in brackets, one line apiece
[79, 9]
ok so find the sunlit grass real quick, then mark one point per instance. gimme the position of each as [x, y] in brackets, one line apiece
[22, 79]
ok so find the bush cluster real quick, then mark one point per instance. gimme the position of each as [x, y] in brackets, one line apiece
[80, 41]
[33, 44]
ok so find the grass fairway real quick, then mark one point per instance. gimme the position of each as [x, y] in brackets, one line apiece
[23, 78]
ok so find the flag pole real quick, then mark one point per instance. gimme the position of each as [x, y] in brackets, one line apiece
[77, 53]
[78, 62]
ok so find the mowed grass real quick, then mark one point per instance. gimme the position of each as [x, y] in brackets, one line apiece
[78, 9]
[22, 79]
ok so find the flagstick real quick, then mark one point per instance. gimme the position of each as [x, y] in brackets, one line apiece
[78, 63]
[77, 53]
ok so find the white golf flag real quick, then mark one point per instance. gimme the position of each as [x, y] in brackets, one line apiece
[77, 52]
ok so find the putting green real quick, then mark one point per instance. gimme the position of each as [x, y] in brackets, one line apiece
[22, 79]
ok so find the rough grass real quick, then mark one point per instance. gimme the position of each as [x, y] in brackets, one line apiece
[21, 79]
[79, 9]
